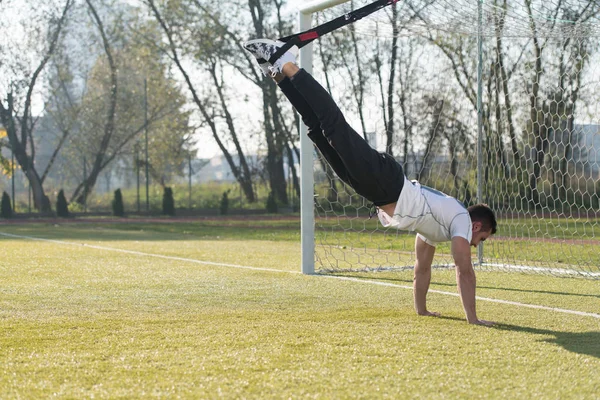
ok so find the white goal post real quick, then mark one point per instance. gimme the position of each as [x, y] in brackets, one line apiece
[307, 210]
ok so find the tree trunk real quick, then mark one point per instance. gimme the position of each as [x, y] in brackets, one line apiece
[431, 138]
[245, 177]
[109, 126]
[389, 147]
[273, 133]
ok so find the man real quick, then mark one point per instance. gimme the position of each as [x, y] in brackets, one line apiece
[376, 176]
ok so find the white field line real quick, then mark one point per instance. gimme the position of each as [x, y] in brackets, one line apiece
[513, 303]
[139, 253]
[357, 280]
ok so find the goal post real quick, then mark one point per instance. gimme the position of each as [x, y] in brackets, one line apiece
[488, 101]
[307, 210]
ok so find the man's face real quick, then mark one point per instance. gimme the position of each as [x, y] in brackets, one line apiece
[479, 235]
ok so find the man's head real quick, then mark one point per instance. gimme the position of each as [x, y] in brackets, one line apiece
[483, 223]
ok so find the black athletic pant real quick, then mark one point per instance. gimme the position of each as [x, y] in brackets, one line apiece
[375, 176]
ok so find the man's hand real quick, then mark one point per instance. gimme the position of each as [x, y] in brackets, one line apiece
[482, 322]
[429, 314]
[465, 277]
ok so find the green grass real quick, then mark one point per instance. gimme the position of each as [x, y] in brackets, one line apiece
[80, 321]
[384, 247]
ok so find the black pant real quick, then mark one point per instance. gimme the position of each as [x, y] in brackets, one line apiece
[376, 176]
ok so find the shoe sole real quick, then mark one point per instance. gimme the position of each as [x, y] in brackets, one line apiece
[294, 49]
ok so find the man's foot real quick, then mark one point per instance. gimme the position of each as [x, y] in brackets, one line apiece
[263, 49]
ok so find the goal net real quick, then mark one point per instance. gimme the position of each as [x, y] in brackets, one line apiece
[411, 79]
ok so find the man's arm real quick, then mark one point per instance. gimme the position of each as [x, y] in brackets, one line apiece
[422, 278]
[465, 278]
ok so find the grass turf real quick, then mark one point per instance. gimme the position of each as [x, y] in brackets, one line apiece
[78, 321]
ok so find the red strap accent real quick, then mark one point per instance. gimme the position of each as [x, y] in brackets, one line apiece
[308, 36]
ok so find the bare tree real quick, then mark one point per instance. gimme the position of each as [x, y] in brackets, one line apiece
[20, 127]
[174, 52]
[82, 192]
[545, 117]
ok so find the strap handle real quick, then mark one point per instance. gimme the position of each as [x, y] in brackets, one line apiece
[303, 38]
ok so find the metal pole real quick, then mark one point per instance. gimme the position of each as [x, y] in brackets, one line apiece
[84, 191]
[137, 172]
[190, 181]
[146, 138]
[12, 177]
[480, 114]
[290, 186]
[307, 190]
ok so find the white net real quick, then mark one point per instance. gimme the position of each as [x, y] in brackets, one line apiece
[406, 79]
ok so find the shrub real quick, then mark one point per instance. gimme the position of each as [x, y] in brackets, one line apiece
[168, 203]
[6, 208]
[272, 204]
[117, 204]
[62, 207]
[224, 206]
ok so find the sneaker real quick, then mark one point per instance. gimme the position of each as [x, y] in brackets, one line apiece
[264, 66]
[263, 49]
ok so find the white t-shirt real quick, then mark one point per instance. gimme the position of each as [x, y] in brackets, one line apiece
[435, 216]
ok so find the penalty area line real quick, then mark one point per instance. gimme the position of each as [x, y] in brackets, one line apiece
[343, 278]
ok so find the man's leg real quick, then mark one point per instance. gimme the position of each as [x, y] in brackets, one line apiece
[315, 133]
[374, 175]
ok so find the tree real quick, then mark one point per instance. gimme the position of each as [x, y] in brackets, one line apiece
[271, 205]
[83, 94]
[168, 202]
[266, 20]
[117, 204]
[15, 110]
[551, 111]
[177, 48]
[62, 207]
[224, 206]
[6, 210]
[549, 64]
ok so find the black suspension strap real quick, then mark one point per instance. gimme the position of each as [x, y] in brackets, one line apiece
[303, 38]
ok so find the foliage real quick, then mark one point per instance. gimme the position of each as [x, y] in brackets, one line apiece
[6, 210]
[168, 203]
[6, 166]
[62, 207]
[271, 204]
[117, 204]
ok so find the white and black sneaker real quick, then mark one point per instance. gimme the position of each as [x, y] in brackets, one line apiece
[264, 66]
[263, 50]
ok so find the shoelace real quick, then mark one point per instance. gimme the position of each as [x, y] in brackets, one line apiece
[373, 210]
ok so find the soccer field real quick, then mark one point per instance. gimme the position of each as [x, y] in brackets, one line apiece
[202, 311]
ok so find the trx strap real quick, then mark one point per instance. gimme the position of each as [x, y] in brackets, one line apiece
[303, 38]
